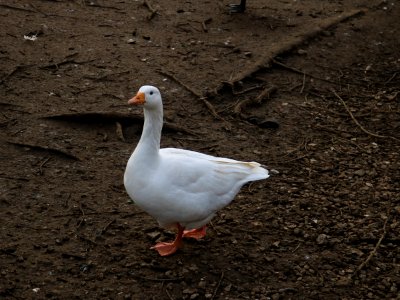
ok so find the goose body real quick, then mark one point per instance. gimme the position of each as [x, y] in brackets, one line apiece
[180, 188]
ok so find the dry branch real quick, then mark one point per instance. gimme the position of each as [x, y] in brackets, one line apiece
[106, 76]
[119, 131]
[76, 214]
[209, 106]
[391, 78]
[309, 31]
[97, 116]
[42, 164]
[218, 285]
[295, 70]
[252, 88]
[91, 4]
[152, 10]
[54, 150]
[13, 71]
[357, 123]
[155, 279]
[188, 88]
[113, 117]
[17, 8]
[14, 178]
[169, 295]
[265, 94]
[373, 252]
[104, 229]
[67, 60]
[86, 239]
[211, 109]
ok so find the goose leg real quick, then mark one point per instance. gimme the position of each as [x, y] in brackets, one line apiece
[165, 249]
[195, 233]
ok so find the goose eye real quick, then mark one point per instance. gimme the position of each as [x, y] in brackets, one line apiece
[151, 93]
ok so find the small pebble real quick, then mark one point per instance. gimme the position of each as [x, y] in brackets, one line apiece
[360, 172]
[154, 235]
[275, 296]
[321, 239]
[343, 281]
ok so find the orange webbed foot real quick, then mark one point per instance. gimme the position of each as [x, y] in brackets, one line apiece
[195, 233]
[165, 249]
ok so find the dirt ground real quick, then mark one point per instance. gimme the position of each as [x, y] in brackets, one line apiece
[308, 88]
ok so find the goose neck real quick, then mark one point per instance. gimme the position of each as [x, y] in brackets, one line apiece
[151, 135]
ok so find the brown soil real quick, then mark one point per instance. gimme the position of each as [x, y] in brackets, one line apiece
[326, 77]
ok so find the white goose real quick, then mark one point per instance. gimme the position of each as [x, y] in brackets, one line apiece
[180, 188]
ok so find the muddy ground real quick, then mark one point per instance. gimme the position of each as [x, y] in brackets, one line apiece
[308, 88]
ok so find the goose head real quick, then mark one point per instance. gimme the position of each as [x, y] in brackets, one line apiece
[148, 96]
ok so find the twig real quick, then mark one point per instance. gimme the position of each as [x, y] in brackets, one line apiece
[46, 148]
[81, 209]
[96, 116]
[95, 213]
[17, 8]
[86, 239]
[13, 71]
[55, 66]
[34, 11]
[168, 294]
[72, 255]
[102, 231]
[106, 76]
[265, 93]
[8, 252]
[173, 77]
[195, 93]
[391, 78]
[152, 10]
[357, 123]
[82, 219]
[373, 252]
[304, 83]
[298, 71]
[42, 165]
[204, 24]
[221, 45]
[14, 178]
[119, 132]
[65, 204]
[155, 279]
[124, 118]
[247, 90]
[104, 6]
[218, 285]
[293, 159]
[38, 10]
[295, 249]
[211, 109]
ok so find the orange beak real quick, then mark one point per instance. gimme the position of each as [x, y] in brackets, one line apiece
[139, 99]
